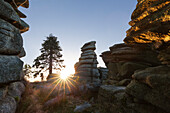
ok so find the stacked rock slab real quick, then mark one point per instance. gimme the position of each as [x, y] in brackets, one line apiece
[151, 24]
[149, 90]
[123, 60]
[86, 68]
[11, 49]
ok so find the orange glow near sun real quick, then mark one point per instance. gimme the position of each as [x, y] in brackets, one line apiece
[64, 81]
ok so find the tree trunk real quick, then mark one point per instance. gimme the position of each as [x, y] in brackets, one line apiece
[50, 63]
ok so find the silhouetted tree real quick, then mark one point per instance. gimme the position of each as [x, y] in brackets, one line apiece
[27, 70]
[50, 57]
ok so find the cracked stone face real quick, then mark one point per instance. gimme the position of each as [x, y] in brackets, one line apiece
[11, 26]
[10, 69]
[11, 42]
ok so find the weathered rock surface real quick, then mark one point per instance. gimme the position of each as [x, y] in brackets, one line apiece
[9, 13]
[110, 98]
[10, 95]
[153, 96]
[131, 53]
[11, 48]
[11, 41]
[139, 61]
[123, 82]
[153, 87]
[164, 54]
[123, 60]
[10, 69]
[154, 76]
[3, 92]
[8, 105]
[15, 90]
[116, 99]
[110, 90]
[82, 107]
[22, 53]
[103, 73]
[86, 68]
[150, 22]
[89, 46]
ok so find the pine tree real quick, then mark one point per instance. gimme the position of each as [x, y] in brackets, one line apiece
[27, 70]
[50, 57]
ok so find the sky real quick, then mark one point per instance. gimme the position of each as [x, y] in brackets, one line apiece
[76, 22]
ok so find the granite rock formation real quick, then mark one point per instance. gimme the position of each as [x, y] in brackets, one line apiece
[103, 73]
[11, 49]
[123, 60]
[150, 24]
[86, 68]
[144, 58]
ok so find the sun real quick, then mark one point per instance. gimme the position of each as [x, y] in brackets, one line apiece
[63, 81]
[65, 74]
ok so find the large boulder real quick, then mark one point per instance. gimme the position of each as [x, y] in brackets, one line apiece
[152, 96]
[11, 48]
[15, 90]
[110, 91]
[124, 59]
[131, 53]
[3, 92]
[8, 105]
[10, 69]
[128, 68]
[11, 15]
[110, 99]
[11, 41]
[124, 70]
[150, 22]
[154, 76]
[152, 86]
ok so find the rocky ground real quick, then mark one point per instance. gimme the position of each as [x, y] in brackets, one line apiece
[38, 99]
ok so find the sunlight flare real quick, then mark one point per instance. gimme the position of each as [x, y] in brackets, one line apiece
[64, 82]
[64, 74]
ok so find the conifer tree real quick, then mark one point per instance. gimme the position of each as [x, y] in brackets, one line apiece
[50, 57]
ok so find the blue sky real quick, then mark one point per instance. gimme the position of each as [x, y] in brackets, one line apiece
[76, 22]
